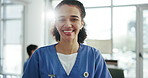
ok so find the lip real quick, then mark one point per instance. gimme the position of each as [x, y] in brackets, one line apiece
[68, 32]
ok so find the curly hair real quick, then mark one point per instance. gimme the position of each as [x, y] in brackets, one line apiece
[82, 33]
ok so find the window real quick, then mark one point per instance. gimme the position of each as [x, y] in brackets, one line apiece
[96, 3]
[11, 30]
[98, 27]
[129, 2]
[124, 39]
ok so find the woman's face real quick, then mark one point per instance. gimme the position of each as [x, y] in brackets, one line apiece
[68, 22]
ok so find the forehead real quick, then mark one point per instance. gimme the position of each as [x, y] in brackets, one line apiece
[67, 10]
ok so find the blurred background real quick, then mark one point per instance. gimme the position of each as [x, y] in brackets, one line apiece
[118, 28]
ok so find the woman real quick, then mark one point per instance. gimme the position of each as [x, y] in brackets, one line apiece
[69, 58]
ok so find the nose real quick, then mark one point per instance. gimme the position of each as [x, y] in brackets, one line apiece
[68, 23]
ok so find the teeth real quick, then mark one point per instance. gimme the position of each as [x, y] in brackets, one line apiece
[67, 31]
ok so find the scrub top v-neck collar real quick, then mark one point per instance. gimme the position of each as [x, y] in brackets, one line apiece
[60, 67]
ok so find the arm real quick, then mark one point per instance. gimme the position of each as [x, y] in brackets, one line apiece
[101, 67]
[32, 68]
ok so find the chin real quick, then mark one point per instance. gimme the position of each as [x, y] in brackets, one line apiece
[68, 39]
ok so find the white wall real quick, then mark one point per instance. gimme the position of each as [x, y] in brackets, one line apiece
[34, 26]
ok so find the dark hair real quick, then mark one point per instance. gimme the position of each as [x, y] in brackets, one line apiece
[30, 48]
[82, 34]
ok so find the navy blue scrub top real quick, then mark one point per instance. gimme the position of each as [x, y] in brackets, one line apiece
[44, 63]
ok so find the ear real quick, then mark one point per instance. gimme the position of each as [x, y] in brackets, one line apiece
[32, 51]
[82, 25]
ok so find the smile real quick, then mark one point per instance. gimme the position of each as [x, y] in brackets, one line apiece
[67, 31]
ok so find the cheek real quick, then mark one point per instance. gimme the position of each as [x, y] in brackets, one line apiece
[78, 26]
[57, 27]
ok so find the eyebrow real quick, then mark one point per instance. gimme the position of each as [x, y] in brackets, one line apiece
[74, 16]
[70, 16]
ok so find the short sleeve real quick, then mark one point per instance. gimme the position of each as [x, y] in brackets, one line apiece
[32, 68]
[101, 69]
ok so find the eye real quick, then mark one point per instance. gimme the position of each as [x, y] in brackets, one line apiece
[74, 19]
[61, 20]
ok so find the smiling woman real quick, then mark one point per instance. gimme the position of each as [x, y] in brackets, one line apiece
[69, 57]
[68, 23]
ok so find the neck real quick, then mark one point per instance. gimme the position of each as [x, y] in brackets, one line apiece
[67, 47]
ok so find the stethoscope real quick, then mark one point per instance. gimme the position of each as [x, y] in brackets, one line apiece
[85, 74]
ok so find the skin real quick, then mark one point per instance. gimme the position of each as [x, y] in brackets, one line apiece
[68, 23]
[32, 51]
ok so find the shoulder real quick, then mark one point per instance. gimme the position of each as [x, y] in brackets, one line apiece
[48, 47]
[91, 53]
[45, 49]
[44, 52]
[89, 49]
[26, 62]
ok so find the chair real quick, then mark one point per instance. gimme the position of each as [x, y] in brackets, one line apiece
[116, 72]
